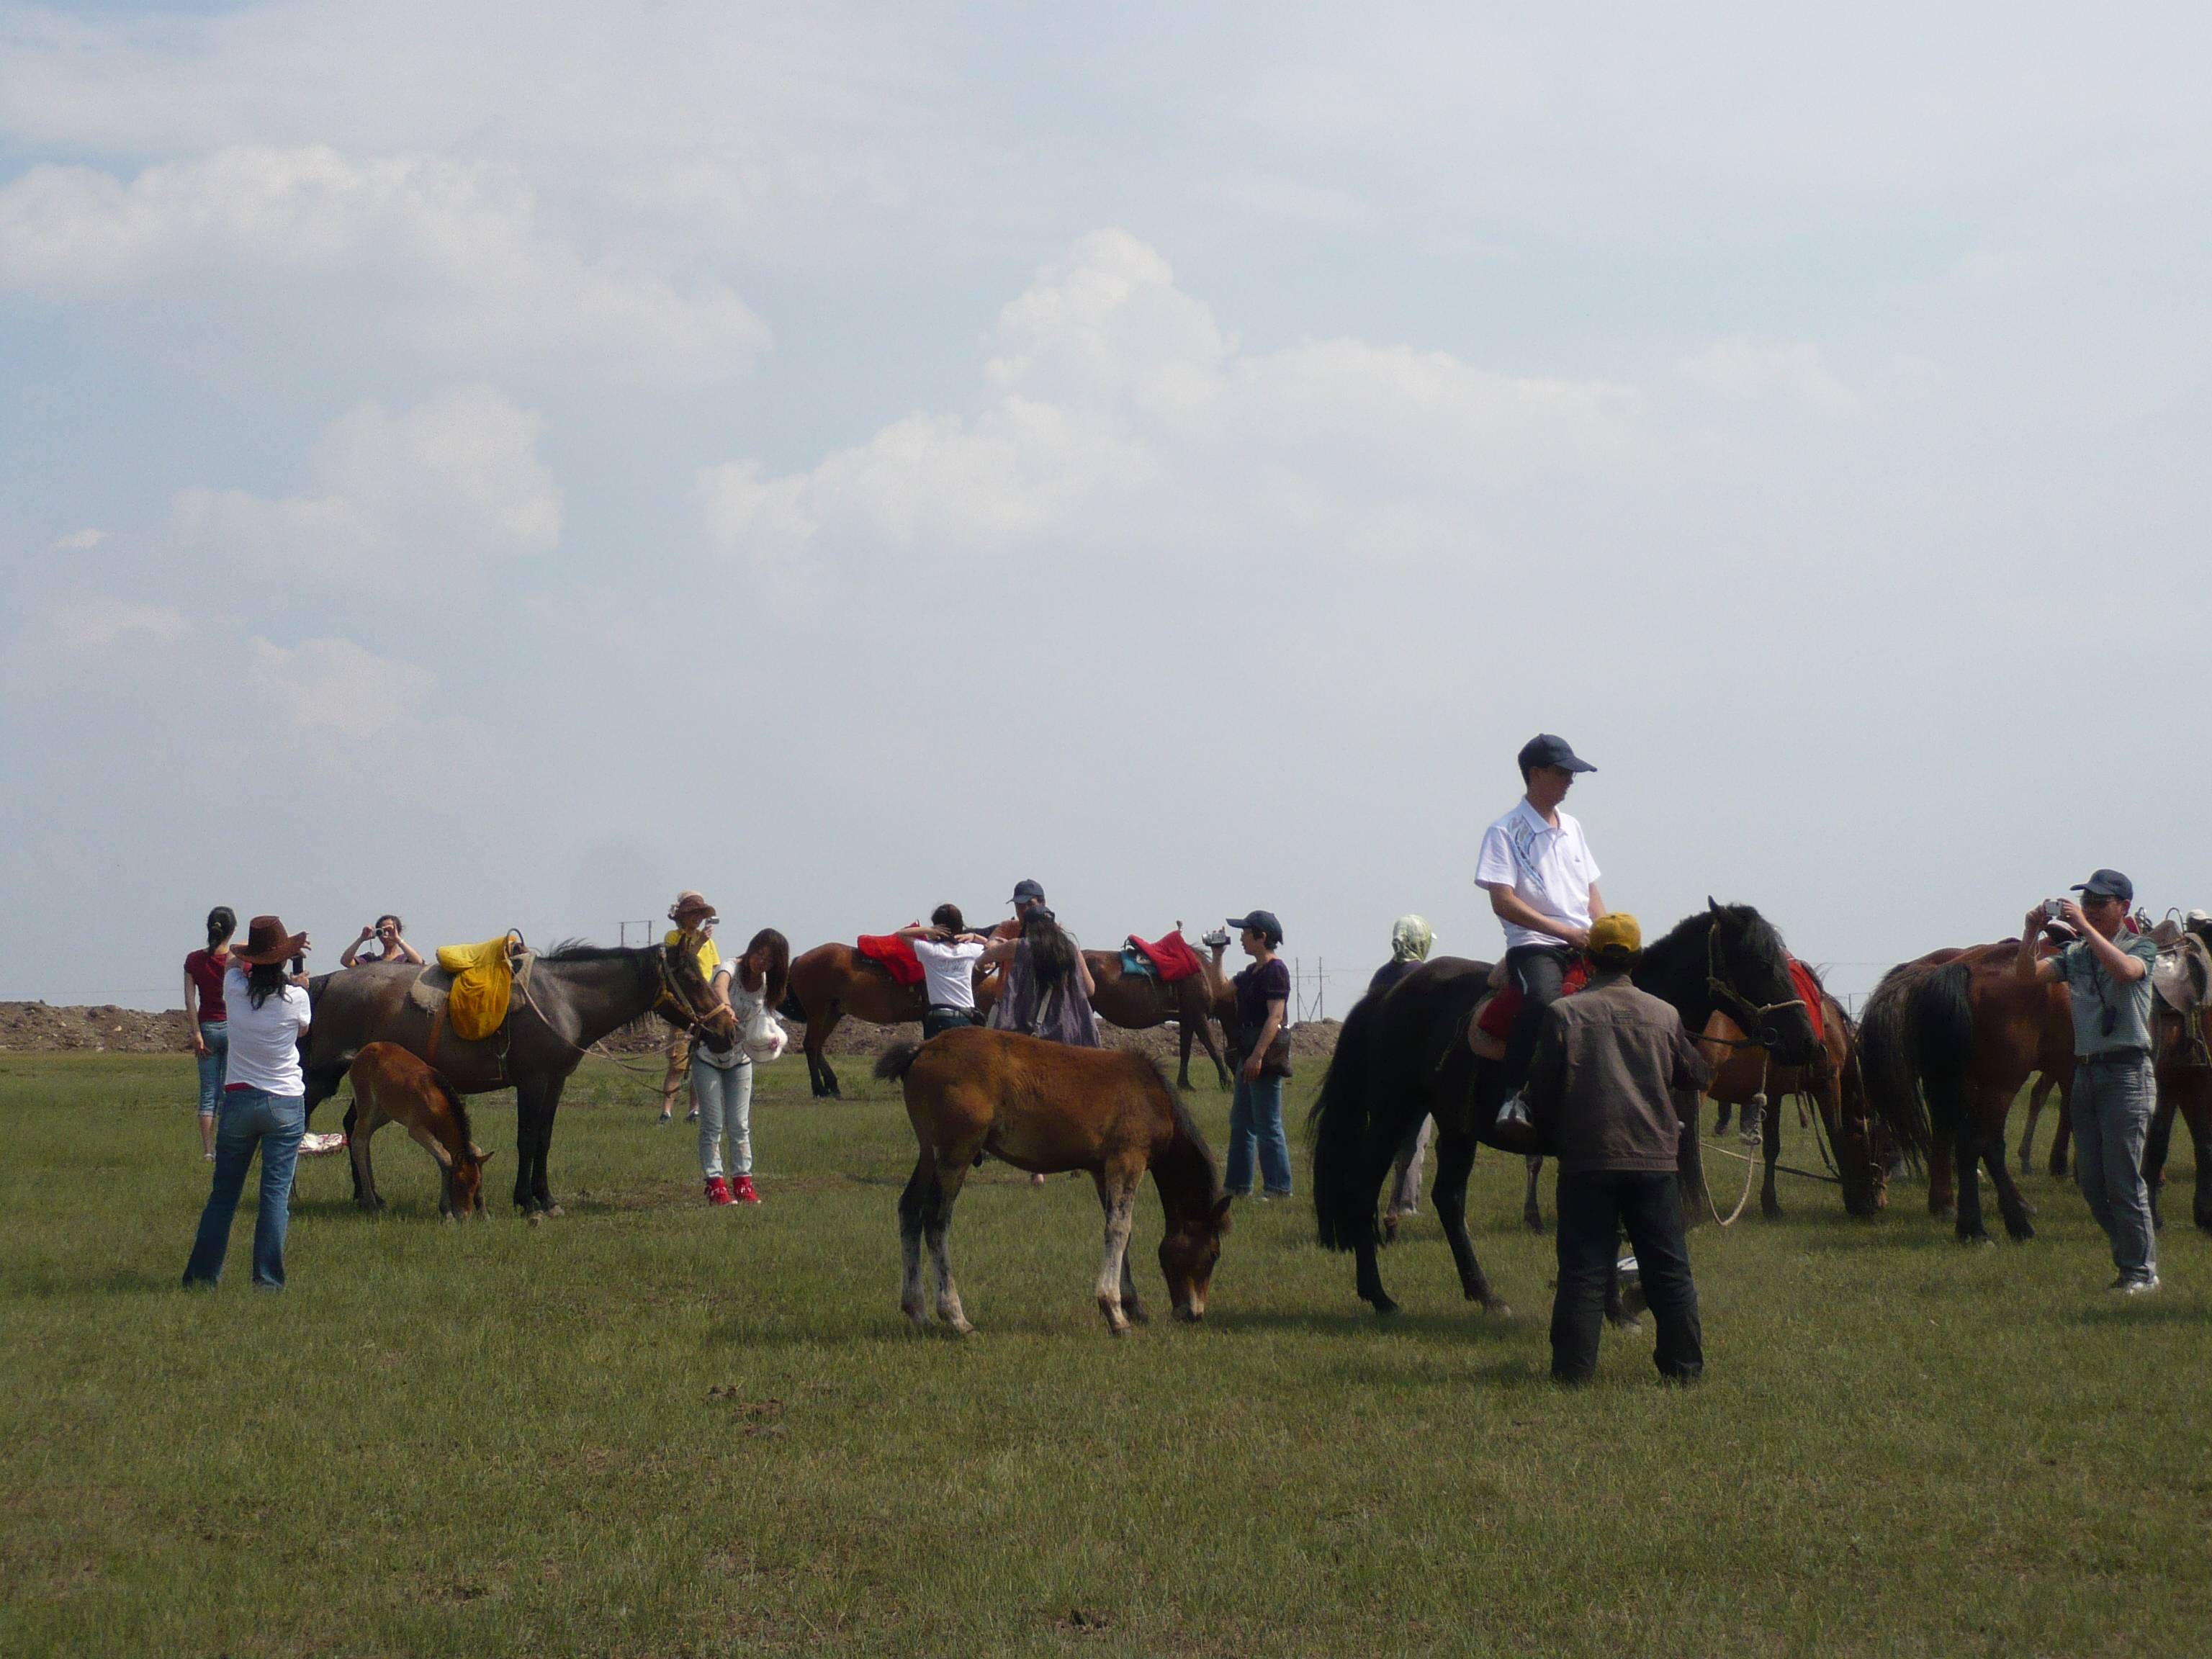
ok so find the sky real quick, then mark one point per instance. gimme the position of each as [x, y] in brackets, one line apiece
[502, 464]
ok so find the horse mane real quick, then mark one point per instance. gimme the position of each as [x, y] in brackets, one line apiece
[583, 949]
[1187, 1152]
[454, 1105]
[1756, 931]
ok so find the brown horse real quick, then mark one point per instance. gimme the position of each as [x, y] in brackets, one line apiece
[1744, 1073]
[2185, 1087]
[1045, 1107]
[1137, 1002]
[390, 1086]
[1946, 1043]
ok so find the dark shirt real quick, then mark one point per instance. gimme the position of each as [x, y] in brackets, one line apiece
[1603, 1089]
[1257, 986]
[1389, 974]
[206, 975]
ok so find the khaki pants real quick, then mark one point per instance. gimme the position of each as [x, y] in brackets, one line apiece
[679, 1067]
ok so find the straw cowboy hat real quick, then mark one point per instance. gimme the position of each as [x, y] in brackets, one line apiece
[691, 903]
[267, 944]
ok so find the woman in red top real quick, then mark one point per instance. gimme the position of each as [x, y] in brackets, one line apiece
[207, 1018]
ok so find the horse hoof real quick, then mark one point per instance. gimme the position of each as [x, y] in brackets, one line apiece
[1384, 1307]
[1389, 1229]
[534, 1218]
[553, 1212]
[1496, 1308]
[1627, 1324]
[1136, 1314]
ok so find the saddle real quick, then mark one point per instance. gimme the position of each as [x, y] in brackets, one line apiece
[2183, 974]
[892, 954]
[471, 985]
[1492, 1020]
[1171, 958]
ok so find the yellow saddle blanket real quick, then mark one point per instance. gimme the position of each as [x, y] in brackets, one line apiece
[484, 979]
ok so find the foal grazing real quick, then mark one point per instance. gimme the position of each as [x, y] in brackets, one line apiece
[390, 1086]
[1045, 1107]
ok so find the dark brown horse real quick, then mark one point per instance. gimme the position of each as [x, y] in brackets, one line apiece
[575, 995]
[1044, 1106]
[1404, 1055]
[1137, 1002]
[2183, 1053]
[1744, 1070]
[390, 1086]
[1946, 1042]
[834, 981]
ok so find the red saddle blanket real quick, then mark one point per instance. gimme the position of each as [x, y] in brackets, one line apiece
[894, 955]
[1172, 956]
[1496, 1016]
[1809, 988]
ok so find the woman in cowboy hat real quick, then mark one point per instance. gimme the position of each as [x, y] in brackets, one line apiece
[263, 1102]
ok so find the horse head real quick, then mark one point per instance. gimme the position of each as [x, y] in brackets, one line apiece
[464, 1173]
[687, 1000]
[1188, 1255]
[1749, 969]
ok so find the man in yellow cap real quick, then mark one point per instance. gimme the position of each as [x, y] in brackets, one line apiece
[1612, 1091]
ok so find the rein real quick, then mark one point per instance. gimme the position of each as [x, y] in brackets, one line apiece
[1733, 1000]
[669, 992]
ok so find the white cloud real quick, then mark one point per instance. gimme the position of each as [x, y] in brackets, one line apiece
[79, 541]
[1742, 371]
[430, 492]
[97, 622]
[452, 254]
[335, 683]
[1115, 411]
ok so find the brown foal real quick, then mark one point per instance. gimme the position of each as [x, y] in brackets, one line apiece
[390, 1086]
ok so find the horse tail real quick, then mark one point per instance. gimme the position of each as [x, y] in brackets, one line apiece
[1337, 1127]
[1886, 1066]
[896, 1062]
[791, 1007]
[1942, 1035]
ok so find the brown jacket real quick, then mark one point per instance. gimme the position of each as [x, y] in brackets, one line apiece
[1603, 1089]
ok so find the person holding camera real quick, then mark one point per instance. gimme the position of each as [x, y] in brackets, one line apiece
[391, 945]
[1612, 1092]
[1262, 1053]
[265, 1106]
[2106, 972]
[1536, 866]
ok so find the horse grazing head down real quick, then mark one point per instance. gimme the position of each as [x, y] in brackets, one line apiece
[1750, 966]
[463, 1188]
[1188, 1255]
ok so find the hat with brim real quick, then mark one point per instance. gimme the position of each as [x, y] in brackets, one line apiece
[1028, 891]
[1546, 748]
[2107, 884]
[1615, 937]
[267, 944]
[1262, 922]
[689, 903]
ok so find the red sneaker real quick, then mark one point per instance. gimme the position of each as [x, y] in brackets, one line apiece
[718, 1191]
[743, 1193]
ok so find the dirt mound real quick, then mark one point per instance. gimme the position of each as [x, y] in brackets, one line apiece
[36, 1027]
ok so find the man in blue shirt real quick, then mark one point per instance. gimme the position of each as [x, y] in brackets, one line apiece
[2107, 972]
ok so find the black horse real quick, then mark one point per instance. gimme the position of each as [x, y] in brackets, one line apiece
[1404, 1054]
[577, 994]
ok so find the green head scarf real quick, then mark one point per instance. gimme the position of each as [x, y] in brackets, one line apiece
[1410, 939]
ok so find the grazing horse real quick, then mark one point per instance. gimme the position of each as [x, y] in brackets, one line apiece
[832, 981]
[1045, 1107]
[390, 1086]
[1946, 1042]
[1405, 1054]
[1744, 1070]
[575, 994]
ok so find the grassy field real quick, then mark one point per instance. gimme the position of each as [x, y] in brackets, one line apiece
[656, 1428]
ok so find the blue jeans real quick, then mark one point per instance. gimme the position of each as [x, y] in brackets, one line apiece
[216, 1035]
[250, 1118]
[1256, 1114]
[2112, 1102]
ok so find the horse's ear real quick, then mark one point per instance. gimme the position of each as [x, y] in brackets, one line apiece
[483, 1158]
[1712, 904]
[1221, 1213]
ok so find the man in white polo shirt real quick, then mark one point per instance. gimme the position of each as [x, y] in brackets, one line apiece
[1542, 884]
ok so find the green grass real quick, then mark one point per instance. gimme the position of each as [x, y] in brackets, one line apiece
[655, 1428]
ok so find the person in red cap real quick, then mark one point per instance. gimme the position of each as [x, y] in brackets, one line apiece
[265, 1106]
[692, 915]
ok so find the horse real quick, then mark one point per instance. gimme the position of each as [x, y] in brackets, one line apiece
[574, 994]
[1744, 1073]
[1946, 1042]
[1137, 1002]
[1405, 1054]
[1045, 1107]
[390, 1086]
[2182, 1051]
[832, 981]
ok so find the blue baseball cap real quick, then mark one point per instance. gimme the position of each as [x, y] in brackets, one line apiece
[2107, 883]
[1262, 922]
[1546, 749]
[1030, 891]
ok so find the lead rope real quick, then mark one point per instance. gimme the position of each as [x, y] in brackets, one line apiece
[1750, 1126]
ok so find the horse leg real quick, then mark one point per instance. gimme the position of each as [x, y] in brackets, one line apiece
[359, 1128]
[540, 1185]
[1969, 1148]
[1455, 1163]
[1941, 1199]
[1532, 1213]
[913, 1204]
[2158, 1144]
[1205, 1034]
[2062, 1139]
[2199, 1111]
[2010, 1205]
[937, 1223]
[2036, 1098]
[1769, 1139]
[1117, 1196]
[1721, 1109]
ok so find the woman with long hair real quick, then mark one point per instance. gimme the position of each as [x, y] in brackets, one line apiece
[204, 1016]
[1047, 986]
[751, 986]
[265, 1106]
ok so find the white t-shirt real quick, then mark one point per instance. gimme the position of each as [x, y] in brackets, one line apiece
[949, 971]
[1550, 869]
[265, 1041]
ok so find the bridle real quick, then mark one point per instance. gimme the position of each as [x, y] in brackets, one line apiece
[667, 992]
[1749, 1015]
